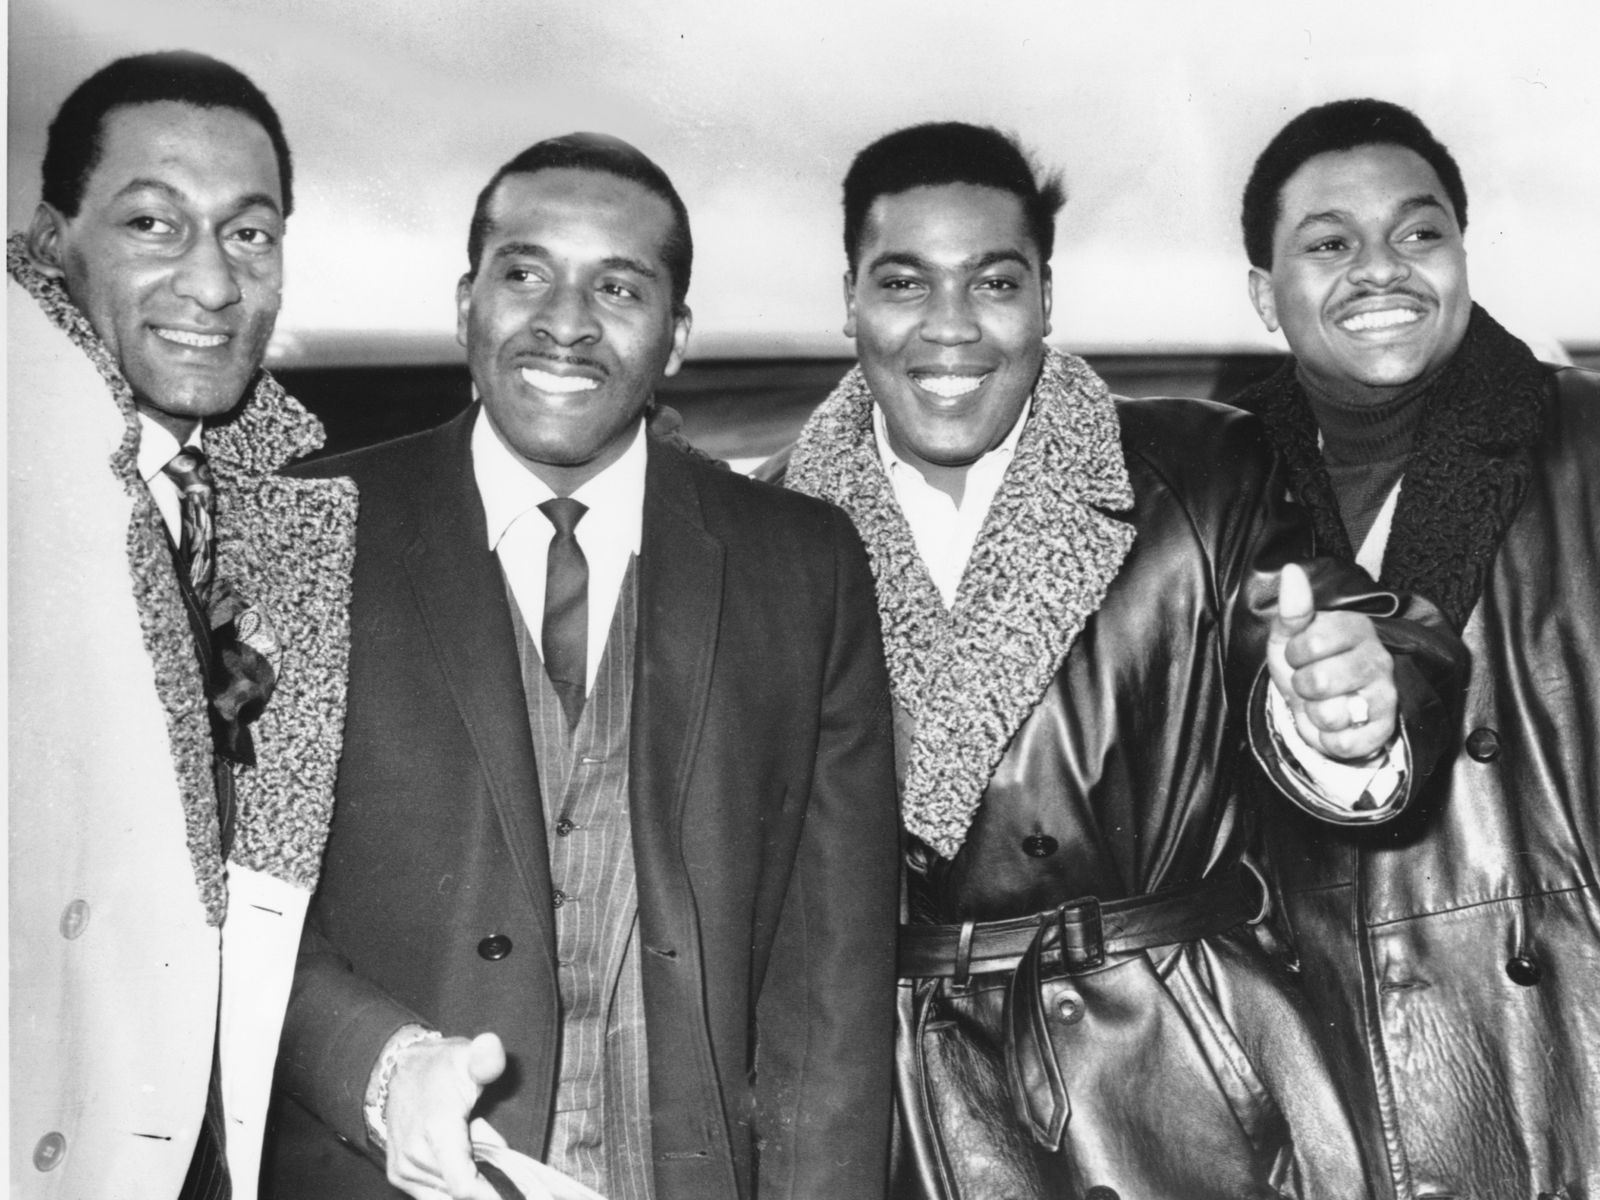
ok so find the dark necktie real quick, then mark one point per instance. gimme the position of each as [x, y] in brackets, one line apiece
[196, 552]
[565, 634]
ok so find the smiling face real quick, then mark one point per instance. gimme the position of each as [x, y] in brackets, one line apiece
[949, 305]
[175, 255]
[1369, 274]
[569, 322]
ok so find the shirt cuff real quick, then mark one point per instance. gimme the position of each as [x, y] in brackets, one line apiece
[1355, 791]
[377, 1097]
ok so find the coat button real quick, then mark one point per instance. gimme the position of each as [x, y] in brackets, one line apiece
[1524, 969]
[1101, 1192]
[1483, 745]
[494, 947]
[47, 1155]
[74, 919]
[1069, 1007]
[1039, 845]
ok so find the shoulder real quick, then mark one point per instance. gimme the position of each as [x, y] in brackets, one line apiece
[1193, 445]
[734, 504]
[1572, 418]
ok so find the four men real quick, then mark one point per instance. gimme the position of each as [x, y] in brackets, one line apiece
[179, 639]
[1452, 957]
[611, 875]
[647, 852]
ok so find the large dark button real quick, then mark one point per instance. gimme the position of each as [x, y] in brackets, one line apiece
[1039, 845]
[494, 947]
[1101, 1192]
[1524, 969]
[564, 827]
[1483, 744]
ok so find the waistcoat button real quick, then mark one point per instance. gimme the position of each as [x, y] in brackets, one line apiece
[494, 947]
[74, 919]
[559, 898]
[1524, 969]
[1101, 1193]
[47, 1155]
[1483, 745]
[564, 827]
[1039, 845]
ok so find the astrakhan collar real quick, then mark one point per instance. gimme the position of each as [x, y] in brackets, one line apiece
[1046, 554]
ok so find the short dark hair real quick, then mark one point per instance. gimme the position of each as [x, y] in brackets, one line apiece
[612, 156]
[1341, 125]
[73, 147]
[942, 152]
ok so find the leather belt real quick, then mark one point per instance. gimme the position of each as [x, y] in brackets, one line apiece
[1085, 930]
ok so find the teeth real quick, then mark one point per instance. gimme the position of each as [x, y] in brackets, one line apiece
[1383, 318]
[184, 338]
[951, 386]
[562, 384]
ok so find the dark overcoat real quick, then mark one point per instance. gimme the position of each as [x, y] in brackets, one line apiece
[761, 795]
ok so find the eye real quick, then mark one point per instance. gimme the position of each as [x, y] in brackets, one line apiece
[899, 284]
[255, 237]
[617, 290]
[1425, 233]
[144, 223]
[1327, 245]
[998, 283]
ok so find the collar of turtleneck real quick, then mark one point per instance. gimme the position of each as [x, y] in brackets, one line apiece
[1367, 428]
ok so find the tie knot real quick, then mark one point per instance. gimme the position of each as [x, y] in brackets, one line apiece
[564, 513]
[190, 471]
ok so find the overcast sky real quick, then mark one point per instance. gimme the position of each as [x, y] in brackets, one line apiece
[399, 111]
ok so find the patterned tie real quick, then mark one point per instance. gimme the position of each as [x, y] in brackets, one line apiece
[190, 471]
[565, 635]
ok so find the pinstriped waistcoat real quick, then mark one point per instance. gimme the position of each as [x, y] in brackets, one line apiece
[600, 1133]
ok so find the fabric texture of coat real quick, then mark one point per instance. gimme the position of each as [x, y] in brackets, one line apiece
[1189, 1070]
[135, 950]
[1455, 956]
[762, 806]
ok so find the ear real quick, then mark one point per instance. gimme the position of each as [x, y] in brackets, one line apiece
[680, 341]
[1261, 297]
[850, 304]
[1046, 295]
[463, 307]
[44, 240]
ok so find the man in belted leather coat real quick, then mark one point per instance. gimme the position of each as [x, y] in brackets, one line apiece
[1453, 955]
[1078, 597]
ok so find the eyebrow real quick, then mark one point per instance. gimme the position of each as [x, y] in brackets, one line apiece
[178, 195]
[1407, 206]
[978, 262]
[616, 262]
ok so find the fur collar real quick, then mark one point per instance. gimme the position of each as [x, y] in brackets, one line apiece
[1464, 480]
[286, 545]
[971, 675]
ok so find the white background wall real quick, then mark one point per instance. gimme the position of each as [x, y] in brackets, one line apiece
[398, 112]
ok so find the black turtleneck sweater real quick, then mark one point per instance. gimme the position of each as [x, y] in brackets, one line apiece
[1366, 440]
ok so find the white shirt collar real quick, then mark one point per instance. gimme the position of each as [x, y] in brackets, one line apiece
[943, 531]
[614, 497]
[157, 446]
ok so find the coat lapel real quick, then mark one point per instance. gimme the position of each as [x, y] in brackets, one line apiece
[680, 608]
[462, 597]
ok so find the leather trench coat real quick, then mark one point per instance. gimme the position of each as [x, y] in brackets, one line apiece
[1189, 1070]
[1455, 954]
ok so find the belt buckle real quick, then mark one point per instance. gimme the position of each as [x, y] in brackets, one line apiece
[1082, 936]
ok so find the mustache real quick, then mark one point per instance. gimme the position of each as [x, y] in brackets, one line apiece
[560, 360]
[1400, 291]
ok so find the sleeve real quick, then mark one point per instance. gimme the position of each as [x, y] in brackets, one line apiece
[336, 1028]
[826, 1017]
[1267, 530]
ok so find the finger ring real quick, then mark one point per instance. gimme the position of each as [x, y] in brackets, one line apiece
[1357, 709]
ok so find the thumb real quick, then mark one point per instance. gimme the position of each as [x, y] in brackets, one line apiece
[1295, 604]
[486, 1058]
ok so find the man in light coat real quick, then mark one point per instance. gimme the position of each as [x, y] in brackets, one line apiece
[1454, 956]
[179, 640]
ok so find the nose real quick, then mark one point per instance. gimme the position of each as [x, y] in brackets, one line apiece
[948, 319]
[567, 315]
[1379, 264]
[208, 276]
